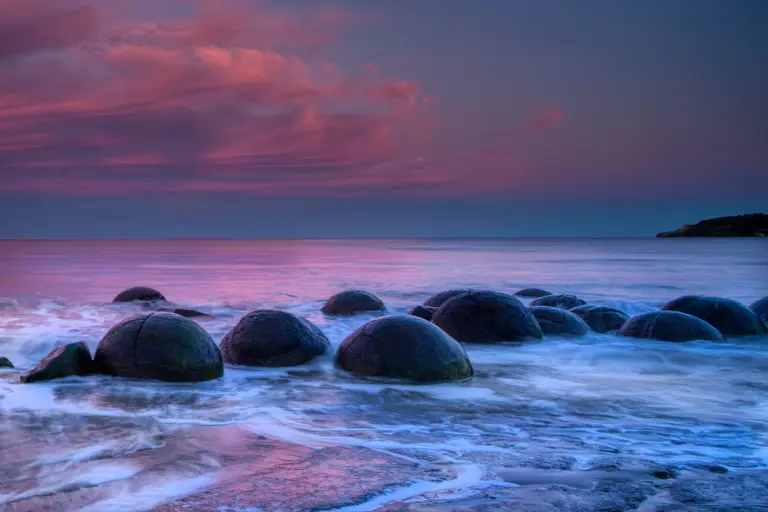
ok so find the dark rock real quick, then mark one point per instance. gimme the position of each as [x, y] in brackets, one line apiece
[532, 292]
[187, 313]
[159, 346]
[558, 301]
[439, 299]
[424, 312]
[669, 326]
[752, 225]
[559, 321]
[731, 318]
[72, 359]
[601, 318]
[487, 317]
[273, 338]
[5, 363]
[403, 347]
[138, 293]
[760, 308]
[352, 301]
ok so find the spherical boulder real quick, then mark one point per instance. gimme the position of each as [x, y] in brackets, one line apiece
[729, 317]
[138, 293]
[424, 312]
[559, 321]
[352, 301]
[532, 292]
[760, 308]
[403, 347]
[268, 337]
[601, 318]
[669, 326]
[486, 317]
[439, 299]
[159, 346]
[558, 301]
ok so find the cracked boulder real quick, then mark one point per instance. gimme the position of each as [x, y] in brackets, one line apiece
[159, 346]
[562, 301]
[669, 326]
[601, 319]
[532, 292]
[72, 359]
[729, 317]
[350, 302]
[487, 317]
[141, 293]
[439, 299]
[403, 347]
[268, 337]
[559, 322]
[760, 308]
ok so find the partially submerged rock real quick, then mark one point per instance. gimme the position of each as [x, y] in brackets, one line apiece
[487, 317]
[403, 347]
[669, 326]
[141, 293]
[187, 313]
[273, 338]
[72, 359]
[532, 292]
[760, 308]
[601, 319]
[159, 346]
[559, 322]
[424, 312]
[439, 299]
[5, 363]
[729, 317]
[562, 301]
[350, 302]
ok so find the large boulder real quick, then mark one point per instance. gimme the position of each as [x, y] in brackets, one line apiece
[669, 326]
[439, 299]
[269, 337]
[532, 292]
[729, 317]
[562, 301]
[5, 363]
[138, 293]
[559, 321]
[72, 359]
[601, 319]
[352, 301]
[424, 312]
[487, 317]
[403, 347]
[159, 346]
[760, 308]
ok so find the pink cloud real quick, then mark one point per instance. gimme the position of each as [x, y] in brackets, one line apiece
[545, 119]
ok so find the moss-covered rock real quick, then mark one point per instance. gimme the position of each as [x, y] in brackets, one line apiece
[5, 363]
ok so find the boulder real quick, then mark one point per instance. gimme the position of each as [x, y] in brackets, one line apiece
[486, 317]
[439, 299]
[559, 321]
[729, 317]
[159, 346]
[403, 347]
[760, 308]
[273, 338]
[424, 312]
[352, 301]
[187, 313]
[601, 319]
[138, 293]
[72, 359]
[669, 326]
[5, 363]
[532, 292]
[558, 301]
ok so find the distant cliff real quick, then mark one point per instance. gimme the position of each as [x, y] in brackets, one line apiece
[755, 224]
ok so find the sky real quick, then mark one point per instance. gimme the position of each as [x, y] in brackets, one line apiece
[379, 118]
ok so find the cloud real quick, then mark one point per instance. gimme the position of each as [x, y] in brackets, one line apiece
[545, 119]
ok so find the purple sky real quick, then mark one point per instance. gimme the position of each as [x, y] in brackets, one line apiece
[379, 118]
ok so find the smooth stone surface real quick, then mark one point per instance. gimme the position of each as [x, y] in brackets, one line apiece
[403, 347]
[439, 299]
[559, 321]
[5, 363]
[601, 319]
[72, 359]
[159, 346]
[138, 293]
[352, 301]
[269, 337]
[187, 313]
[729, 317]
[760, 308]
[562, 301]
[532, 292]
[487, 317]
[424, 312]
[669, 326]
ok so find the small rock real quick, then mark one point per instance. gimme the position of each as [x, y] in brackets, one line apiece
[352, 301]
[439, 299]
[72, 359]
[424, 312]
[5, 363]
[142, 293]
[562, 301]
[532, 292]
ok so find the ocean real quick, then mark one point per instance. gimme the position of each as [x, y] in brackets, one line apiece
[594, 423]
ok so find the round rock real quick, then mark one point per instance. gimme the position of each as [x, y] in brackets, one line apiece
[558, 301]
[487, 317]
[439, 299]
[403, 347]
[559, 321]
[532, 292]
[601, 319]
[269, 337]
[159, 346]
[424, 312]
[352, 301]
[138, 293]
[669, 326]
[729, 317]
[760, 308]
